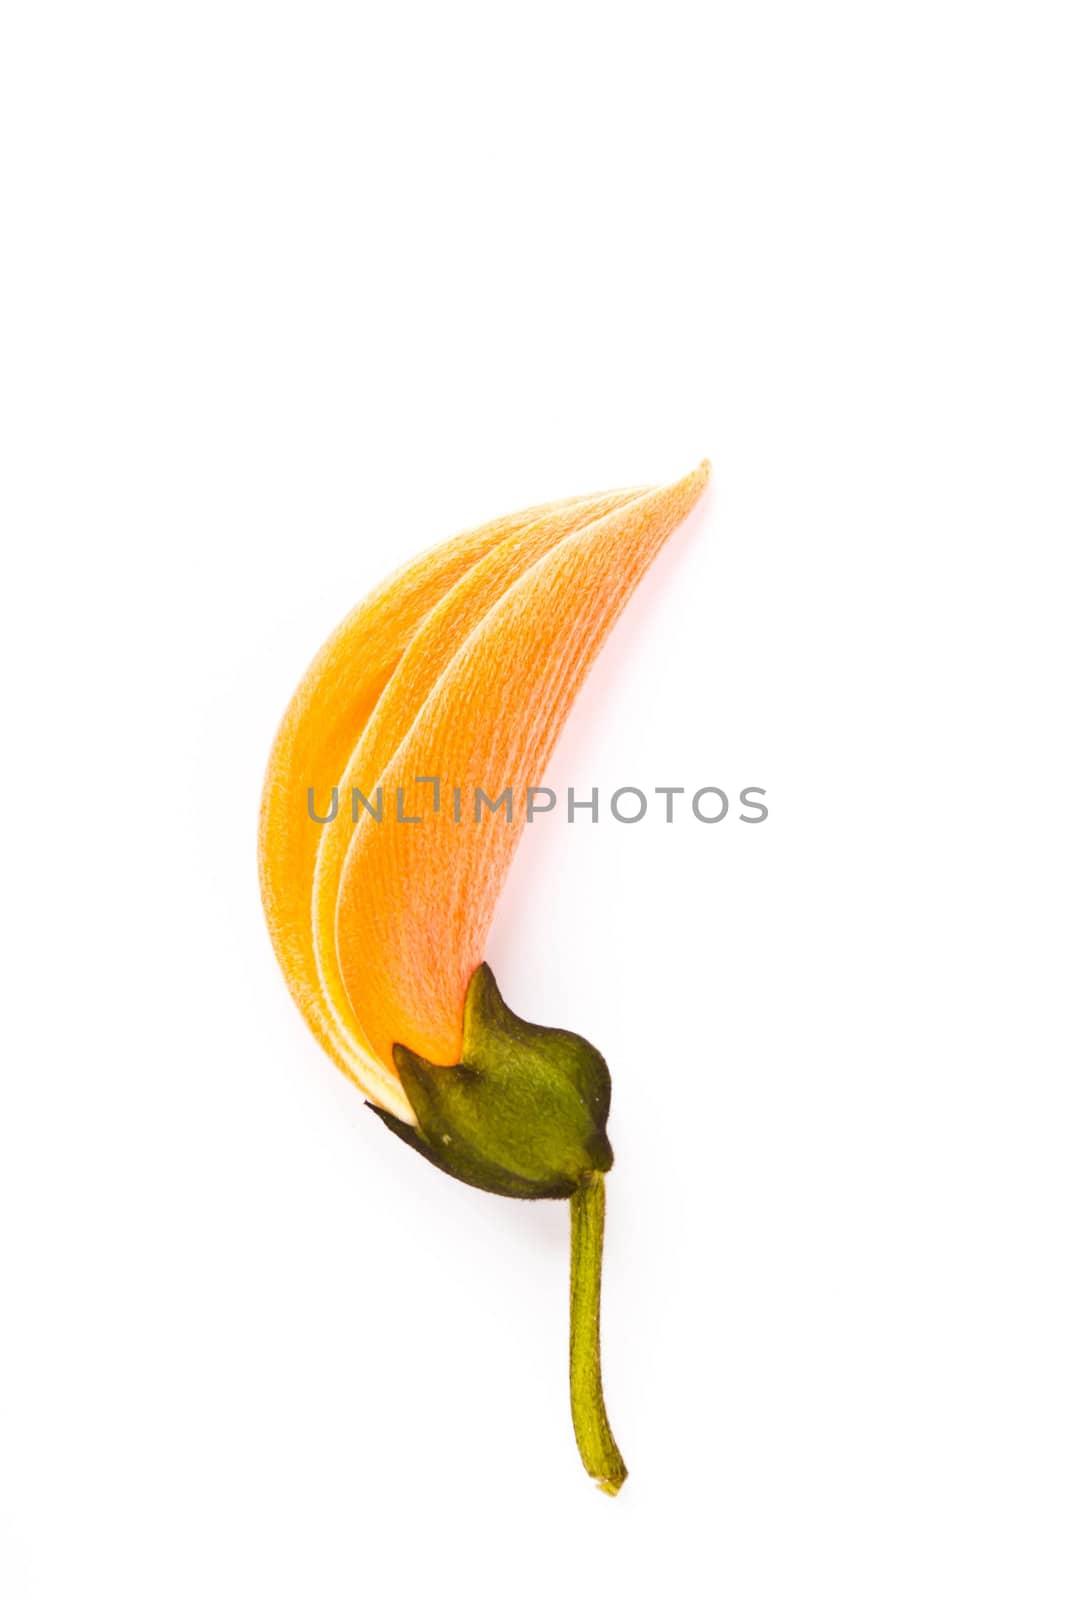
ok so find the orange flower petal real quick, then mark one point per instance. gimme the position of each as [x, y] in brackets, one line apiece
[416, 900]
[325, 719]
[432, 647]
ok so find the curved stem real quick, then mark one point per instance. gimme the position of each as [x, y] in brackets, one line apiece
[596, 1444]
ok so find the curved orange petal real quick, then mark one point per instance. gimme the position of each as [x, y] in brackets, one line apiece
[433, 645]
[416, 900]
[322, 724]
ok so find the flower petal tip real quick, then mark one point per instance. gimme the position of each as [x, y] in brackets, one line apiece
[700, 476]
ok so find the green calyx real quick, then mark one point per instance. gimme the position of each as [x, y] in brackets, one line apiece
[523, 1113]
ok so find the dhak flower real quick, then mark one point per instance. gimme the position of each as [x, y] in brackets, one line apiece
[452, 682]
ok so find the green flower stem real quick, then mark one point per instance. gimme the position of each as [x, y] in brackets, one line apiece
[596, 1444]
[524, 1113]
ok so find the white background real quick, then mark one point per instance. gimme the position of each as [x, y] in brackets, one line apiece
[291, 292]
